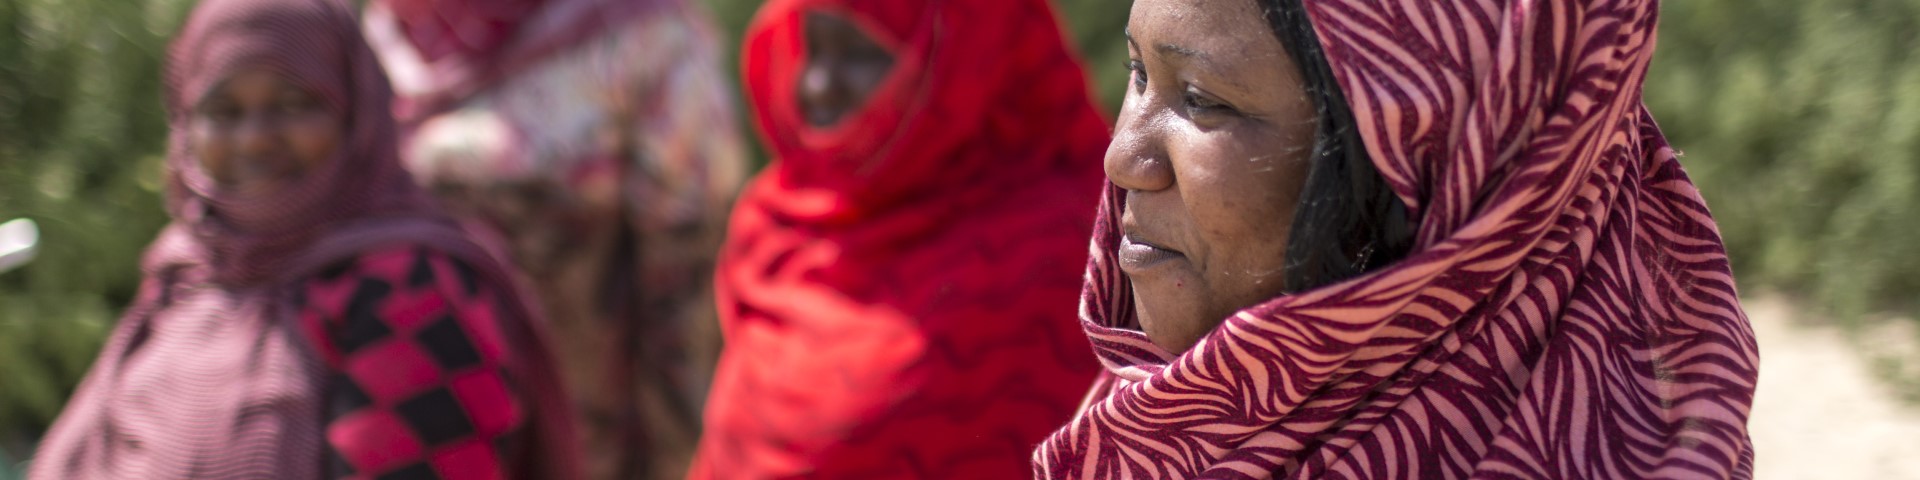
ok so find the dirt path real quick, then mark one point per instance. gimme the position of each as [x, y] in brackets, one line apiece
[1819, 413]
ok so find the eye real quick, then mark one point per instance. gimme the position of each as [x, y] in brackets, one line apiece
[295, 104]
[219, 112]
[1199, 103]
[1137, 72]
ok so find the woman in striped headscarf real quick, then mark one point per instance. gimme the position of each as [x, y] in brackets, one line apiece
[308, 313]
[1403, 239]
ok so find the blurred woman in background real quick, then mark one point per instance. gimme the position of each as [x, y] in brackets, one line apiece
[598, 137]
[1403, 239]
[897, 287]
[309, 313]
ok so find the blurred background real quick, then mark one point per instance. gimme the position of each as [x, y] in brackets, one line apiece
[1799, 119]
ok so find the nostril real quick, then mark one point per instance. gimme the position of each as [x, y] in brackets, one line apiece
[1135, 165]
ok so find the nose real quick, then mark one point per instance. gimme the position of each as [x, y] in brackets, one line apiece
[256, 135]
[1137, 158]
[815, 80]
[821, 90]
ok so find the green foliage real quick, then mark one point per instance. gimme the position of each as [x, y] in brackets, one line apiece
[1801, 121]
[7, 468]
[84, 128]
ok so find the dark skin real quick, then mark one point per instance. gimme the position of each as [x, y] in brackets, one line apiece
[255, 132]
[1212, 147]
[844, 67]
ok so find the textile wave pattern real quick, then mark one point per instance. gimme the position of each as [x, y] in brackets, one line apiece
[1568, 311]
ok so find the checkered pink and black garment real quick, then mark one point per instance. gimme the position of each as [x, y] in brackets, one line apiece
[416, 386]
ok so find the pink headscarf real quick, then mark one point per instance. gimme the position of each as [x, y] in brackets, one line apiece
[224, 385]
[1567, 310]
[252, 240]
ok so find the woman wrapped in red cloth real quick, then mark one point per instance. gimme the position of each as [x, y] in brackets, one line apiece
[897, 288]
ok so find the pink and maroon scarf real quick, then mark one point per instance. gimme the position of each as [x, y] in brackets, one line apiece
[206, 376]
[1567, 310]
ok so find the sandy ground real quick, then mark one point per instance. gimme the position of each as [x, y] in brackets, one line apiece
[1819, 413]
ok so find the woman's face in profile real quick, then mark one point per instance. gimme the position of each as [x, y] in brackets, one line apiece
[256, 132]
[844, 67]
[1212, 147]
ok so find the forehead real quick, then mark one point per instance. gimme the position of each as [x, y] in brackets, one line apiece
[836, 24]
[251, 83]
[1223, 26]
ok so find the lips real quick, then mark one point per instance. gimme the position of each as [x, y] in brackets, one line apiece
[254, 169]
[1137, 254]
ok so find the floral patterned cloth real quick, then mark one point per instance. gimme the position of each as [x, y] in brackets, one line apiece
[607, 167]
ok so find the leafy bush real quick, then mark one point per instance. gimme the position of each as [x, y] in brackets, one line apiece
[1801, 121]
[84, 128]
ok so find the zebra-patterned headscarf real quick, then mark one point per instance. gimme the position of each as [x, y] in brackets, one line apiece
[1567, 310]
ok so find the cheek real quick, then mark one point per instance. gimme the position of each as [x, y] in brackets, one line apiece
[863, 78]
[315, 140]
[208, 144]
[1241, 195]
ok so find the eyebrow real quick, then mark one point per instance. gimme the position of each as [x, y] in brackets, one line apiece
[1171, 49]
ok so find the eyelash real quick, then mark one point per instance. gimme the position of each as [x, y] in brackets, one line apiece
[1194, 102]
[1137, 72]
[1197, 103]
[220, 113]
[294, 105]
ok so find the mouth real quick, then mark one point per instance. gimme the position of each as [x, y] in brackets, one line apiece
[823, 114]
[262, 173]
[821, 118]
[1139, 255]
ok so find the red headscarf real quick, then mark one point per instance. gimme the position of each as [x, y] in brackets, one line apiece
[234, 397]
[896, 290]
[1567, 310]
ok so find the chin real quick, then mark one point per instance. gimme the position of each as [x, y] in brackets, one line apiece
[1173, 331]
